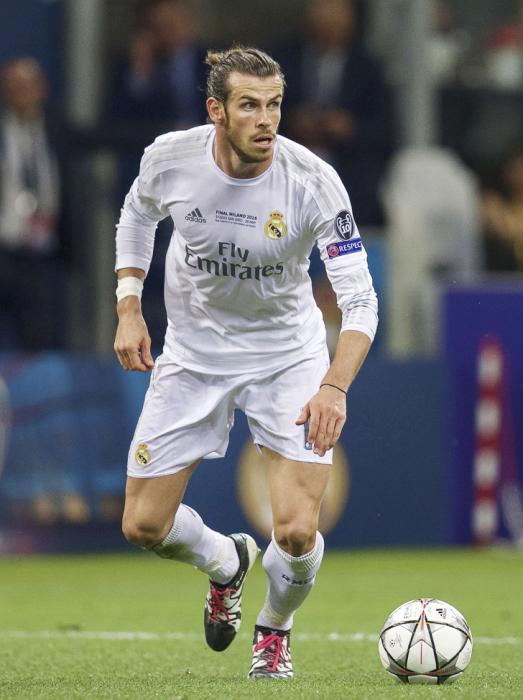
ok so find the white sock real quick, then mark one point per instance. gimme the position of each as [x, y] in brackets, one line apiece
[192, 542]
[290, 582]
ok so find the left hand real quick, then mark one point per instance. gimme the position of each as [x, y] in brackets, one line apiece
[326, 413]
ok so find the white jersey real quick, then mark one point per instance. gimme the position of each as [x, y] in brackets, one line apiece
[237, 290]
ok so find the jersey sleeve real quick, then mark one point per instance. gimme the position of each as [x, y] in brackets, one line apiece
[341, 249]
[139, 217]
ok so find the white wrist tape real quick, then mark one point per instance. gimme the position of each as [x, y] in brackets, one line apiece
[129, 286]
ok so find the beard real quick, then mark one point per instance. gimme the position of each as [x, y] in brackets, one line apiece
[240, 152]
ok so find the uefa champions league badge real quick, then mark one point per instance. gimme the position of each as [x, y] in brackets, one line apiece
[344, 224]
[334, 250]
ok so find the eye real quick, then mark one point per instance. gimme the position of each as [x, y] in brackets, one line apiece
[249, 105]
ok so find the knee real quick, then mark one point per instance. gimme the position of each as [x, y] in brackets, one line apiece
[142, 533]
[295, 538]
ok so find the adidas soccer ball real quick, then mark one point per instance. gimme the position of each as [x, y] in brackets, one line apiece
[425, 641]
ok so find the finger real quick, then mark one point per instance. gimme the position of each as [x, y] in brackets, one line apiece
[147, 358]
[118, 356]
[136, 363]
[313, 428]
[304, 415]
[320, 443]
[319, 435]
[329, 433]
[122, 363]
[124, 359]
[129, 361]
[337, 430]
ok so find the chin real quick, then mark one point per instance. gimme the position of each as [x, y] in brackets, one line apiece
[255, 157]
[265, 155]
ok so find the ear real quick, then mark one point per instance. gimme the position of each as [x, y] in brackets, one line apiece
[215, 110]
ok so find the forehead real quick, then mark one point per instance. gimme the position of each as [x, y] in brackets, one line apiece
[240, 84]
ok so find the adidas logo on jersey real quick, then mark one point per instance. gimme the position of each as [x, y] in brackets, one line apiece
[196, 216]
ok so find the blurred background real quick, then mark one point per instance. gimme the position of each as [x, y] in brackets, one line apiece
[419, 106]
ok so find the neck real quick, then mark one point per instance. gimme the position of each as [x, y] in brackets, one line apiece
[231, 162]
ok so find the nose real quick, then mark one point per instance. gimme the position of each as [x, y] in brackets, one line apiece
[263, 118]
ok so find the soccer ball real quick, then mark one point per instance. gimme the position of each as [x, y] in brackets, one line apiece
[425, 641]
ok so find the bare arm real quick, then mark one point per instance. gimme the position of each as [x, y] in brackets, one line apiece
[326, 411]
[132, 343]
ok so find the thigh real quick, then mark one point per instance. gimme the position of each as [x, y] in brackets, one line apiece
[151, 504]
[272, 405]
[296, 490]
[186, 417]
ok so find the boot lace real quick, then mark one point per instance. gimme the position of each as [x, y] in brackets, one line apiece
[272, 648]
[217, 604]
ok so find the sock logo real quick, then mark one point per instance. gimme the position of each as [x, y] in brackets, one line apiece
[298, 582]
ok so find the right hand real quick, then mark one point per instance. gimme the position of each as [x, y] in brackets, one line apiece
[132, 343]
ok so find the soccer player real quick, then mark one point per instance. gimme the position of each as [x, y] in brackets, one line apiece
[243, 332]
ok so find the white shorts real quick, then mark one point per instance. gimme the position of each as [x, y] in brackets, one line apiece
[187, 415]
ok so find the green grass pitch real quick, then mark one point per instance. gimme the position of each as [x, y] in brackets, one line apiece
[127, 626]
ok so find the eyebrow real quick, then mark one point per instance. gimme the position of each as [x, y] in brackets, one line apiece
[257, 99]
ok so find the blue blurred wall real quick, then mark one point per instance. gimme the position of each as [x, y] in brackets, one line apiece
[410, 440]
[72, 419]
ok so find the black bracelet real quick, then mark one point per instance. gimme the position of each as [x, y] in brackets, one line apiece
[334, 387]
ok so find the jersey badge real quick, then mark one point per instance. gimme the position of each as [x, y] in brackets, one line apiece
[334, 250]
[142, 455]
[275, 227]
[344, 224]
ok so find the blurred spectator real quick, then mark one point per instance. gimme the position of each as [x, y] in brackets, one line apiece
[434, 236]
[158, 88]
[503, 216]
[481, 116]
[30, 273]
[504, 57]
[338, 103]
[160, 83]
[448, 44]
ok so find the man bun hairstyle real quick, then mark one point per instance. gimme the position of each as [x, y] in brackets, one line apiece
[246, 60]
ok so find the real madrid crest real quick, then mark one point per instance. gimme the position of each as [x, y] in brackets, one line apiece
[275, 227]
[142, 455]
